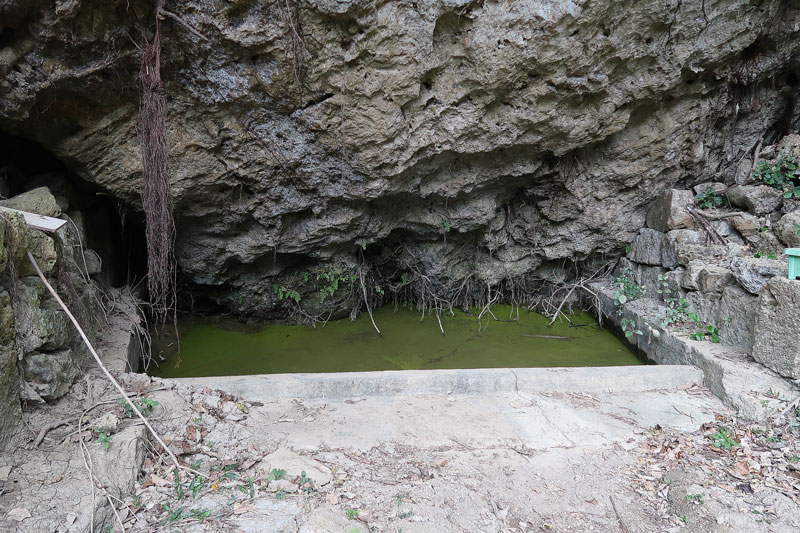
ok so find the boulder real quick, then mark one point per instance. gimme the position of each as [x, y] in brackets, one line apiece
[691, 276]
[675, 238]
[757, 199]
[118, 466]
[754, 273]
[726, 229]
[777, 328]
[746, 224]
[787, 229]
[43, 249]
[732, 312]
[714, 278]
[688, 252]
[646, 247]
[93, 262]
[39, 201]
[49, 374]
[668, 212]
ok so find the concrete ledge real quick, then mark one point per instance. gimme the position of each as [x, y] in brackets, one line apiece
[267, 387]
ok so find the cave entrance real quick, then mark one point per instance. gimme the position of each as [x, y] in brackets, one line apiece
[114, 231]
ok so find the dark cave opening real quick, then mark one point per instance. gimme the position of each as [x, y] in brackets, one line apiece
[112, 229]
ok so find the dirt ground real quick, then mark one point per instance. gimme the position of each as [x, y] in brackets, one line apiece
[656, 461]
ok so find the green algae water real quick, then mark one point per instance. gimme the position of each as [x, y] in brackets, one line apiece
[408, 343]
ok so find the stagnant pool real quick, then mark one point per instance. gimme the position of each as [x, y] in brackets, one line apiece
[226, 348]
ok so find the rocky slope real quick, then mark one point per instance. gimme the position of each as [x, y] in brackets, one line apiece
[452, 136]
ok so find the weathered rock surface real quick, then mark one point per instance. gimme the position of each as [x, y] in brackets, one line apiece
[777, 328]
[676, 238]
[669, 211]
[10, 412]
[501, 137]
[118, 466]
[754, 273]
[646, 247]
[50, 374]
[39, 201]
[787, 229]
[757, 199]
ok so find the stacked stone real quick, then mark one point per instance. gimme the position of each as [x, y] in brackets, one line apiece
[749, 299]
[39, 349]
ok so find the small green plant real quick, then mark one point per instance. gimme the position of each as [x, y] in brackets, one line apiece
[627, 290]
[685, 519]
[629, 327]
[306, 483]
[770, 255]
[797, 228]
[725, 441]
[695, 498]
[794, 459]
[351, 514]
[285, 293]
[144, 405]
[363, 244]
[708, 199]
[447, 226]
[275, 474]
[281, 494]
[404, 278]
[780, 175]
[677, 311]
[710, 333]
[332, 279]
[759, 520]
[196, 485]
[104, 438]
[668, 482]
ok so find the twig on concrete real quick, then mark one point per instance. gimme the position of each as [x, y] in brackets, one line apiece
[48, 427]
[622, 525]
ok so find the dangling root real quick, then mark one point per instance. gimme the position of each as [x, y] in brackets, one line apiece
[156, 194]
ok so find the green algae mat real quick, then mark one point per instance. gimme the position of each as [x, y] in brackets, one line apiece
[408, 343]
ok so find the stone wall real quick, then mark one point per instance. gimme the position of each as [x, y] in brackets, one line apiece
[723, 268]
[463, 137]
[41, 354]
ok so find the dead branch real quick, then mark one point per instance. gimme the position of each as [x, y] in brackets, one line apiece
[715, 237]
[162, 13]
[100, 362]
[49, 427]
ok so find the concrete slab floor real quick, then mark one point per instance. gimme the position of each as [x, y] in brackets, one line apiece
[544, 454]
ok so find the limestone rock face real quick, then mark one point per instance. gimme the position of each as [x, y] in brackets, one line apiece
[10, 411]
[777, 328]
[498, 138]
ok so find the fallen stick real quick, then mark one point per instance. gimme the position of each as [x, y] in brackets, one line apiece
[557, 337]
[100, 362]
[622, 525]
[48, 427]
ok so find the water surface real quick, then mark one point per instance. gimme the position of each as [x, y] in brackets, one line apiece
[408, 343]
